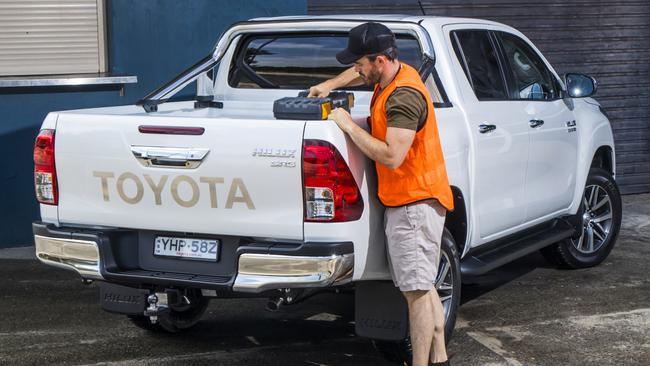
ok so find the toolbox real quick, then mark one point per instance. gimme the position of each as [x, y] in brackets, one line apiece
[305, 108]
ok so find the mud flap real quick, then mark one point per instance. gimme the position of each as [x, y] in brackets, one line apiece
[122, 299]
[381, 311]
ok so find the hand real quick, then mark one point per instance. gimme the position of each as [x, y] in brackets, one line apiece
[342, 119]
[319, 91]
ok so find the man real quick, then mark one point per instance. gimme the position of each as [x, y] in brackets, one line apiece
[412, 180]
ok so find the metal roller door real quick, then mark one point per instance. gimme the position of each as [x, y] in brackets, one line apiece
[607, 39]
[44, 37]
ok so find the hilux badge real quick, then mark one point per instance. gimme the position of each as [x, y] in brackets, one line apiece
[264, 152]
[274, 153]
[571, 125]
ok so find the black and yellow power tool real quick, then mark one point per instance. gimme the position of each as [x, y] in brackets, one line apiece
[305, 108]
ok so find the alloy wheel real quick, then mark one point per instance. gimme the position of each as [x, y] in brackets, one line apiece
[445, 283]
[596, 220]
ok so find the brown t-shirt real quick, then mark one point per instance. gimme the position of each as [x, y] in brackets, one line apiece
[406, 108]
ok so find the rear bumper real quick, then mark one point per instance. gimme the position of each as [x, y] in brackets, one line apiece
[78, 255]
[112, 255]
[259, 272]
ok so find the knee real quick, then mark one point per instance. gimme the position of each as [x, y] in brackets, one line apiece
[439, 328]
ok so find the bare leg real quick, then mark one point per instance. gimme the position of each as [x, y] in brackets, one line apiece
[438, 348]
[421, 322]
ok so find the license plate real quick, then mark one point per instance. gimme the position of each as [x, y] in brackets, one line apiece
[187, 248]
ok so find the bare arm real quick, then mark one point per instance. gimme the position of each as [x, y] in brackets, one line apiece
[390, 153]
[348, 77]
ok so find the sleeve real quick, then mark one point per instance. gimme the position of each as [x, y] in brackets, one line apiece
[405, 108]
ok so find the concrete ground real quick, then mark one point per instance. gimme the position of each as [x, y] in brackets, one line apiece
[525, 313]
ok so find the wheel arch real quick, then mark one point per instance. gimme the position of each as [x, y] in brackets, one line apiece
[604, 158]
[599, 154]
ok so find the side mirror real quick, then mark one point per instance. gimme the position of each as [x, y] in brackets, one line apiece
[580, 86]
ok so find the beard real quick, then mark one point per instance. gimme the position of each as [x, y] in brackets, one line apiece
[372, 78]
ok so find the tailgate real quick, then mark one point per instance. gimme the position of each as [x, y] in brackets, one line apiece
[249, 182]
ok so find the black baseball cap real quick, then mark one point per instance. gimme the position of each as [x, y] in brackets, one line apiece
[366, 39]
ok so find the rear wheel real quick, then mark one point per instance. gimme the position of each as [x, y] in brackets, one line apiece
[448, 286]
[601, 214]
[179, 317]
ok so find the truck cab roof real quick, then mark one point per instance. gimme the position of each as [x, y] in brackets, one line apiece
[432, 19]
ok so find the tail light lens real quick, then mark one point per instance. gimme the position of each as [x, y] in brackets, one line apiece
[44, 169]
[331, 193]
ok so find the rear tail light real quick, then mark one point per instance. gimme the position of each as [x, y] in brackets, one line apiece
[331, 193]
[44, 169]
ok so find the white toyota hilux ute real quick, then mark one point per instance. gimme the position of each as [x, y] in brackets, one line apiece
[167, 204]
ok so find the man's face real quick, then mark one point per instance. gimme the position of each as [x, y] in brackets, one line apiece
[370, 71]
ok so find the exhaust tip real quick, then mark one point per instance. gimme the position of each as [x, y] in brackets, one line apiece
[274, 304]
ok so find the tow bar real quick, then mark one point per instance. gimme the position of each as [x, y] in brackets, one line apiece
[161, 303]
[158, 305]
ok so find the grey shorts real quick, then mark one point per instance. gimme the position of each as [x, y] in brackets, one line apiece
[413, 234]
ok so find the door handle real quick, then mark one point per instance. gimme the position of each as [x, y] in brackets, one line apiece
[534, 123]
[169, 157]
[485, 128]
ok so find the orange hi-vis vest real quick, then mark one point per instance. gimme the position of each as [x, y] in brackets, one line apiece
[422, 175]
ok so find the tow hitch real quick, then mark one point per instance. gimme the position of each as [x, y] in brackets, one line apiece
[157, 306]
[161, 302]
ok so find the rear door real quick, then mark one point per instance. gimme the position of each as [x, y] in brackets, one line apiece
[238, 177]
[500, 135]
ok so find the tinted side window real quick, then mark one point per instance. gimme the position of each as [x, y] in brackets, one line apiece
[532, 79]
[299, 61]
[479, 58]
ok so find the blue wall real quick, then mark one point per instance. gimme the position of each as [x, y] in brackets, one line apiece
[154, 40]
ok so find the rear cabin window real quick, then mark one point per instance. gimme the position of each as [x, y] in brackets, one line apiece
[299, 61]
[479, 59]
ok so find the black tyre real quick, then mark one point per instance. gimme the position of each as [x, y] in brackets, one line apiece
[178, 318]
[601, 213]
[448, 284]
